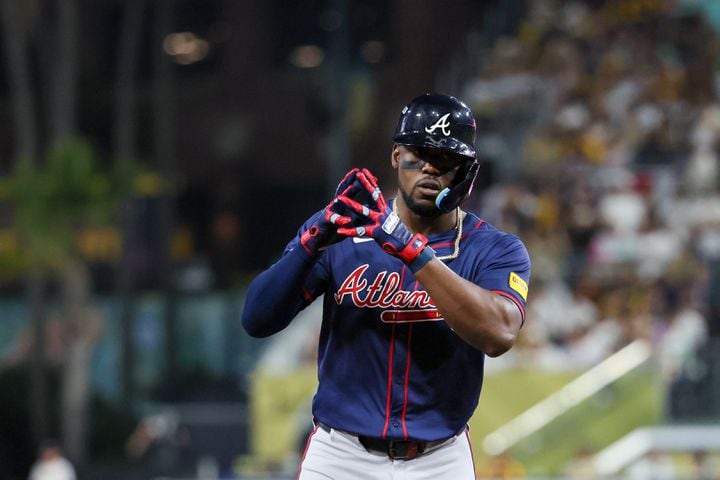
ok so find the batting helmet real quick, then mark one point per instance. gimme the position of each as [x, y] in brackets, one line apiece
[445, 123]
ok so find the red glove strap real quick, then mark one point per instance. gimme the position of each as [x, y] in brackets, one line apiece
[307, 236]
[413, 248]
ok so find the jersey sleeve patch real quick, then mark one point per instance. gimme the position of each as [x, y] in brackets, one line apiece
[518, 284]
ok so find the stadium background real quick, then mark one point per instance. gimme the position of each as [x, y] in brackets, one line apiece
[155, 155]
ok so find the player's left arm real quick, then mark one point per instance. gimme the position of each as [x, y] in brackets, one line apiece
[489, 320]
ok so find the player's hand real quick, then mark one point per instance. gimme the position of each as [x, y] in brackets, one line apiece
[323, 232]
[376, 219]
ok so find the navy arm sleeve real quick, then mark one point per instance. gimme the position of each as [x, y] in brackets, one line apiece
[276, 295]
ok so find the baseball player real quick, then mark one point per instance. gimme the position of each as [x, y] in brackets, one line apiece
[416, 291]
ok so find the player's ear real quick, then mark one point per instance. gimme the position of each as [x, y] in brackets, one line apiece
[395, 156]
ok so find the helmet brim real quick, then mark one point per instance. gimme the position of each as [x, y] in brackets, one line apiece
[423, 140]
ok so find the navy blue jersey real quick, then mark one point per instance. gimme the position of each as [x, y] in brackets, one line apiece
[388, 365]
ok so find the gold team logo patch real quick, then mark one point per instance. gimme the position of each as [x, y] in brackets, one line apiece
[518, 284]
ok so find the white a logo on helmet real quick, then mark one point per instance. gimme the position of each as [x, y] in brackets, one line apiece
[443, 123]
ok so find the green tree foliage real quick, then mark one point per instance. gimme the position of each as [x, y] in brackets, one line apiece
[52, 202]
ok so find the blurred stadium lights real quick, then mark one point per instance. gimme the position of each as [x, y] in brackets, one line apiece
[364, 23]
[185, 47]
[307, 56]
[373, 51]
[330, 20]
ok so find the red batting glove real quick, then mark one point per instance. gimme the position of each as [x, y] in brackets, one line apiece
[324, 232]
[377, 220]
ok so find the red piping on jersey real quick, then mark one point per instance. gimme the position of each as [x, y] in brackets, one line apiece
[407, 381]
[474, 227]
[464, 235]
[390, 365]
[307, 446]
[408, 360]
[308, 295]
[389, 382]
[515, 300]
[449, 244]
[472, 457]
[444, 244]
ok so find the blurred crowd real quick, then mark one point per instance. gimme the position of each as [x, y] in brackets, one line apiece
[603, 127]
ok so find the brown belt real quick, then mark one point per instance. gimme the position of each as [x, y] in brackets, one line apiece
[395, 449]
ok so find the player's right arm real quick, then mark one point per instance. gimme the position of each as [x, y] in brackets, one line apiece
[276, 296]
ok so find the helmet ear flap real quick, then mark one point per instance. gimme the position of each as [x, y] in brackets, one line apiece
[451, 197]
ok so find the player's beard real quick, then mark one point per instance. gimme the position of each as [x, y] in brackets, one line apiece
[430, 211]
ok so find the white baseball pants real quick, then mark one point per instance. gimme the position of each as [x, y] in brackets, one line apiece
[337, 455]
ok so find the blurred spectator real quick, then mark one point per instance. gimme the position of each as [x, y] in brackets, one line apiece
[582, 222]
[704, 466]
[158, 441]
[591, 345]
[679, 333]
[582, 466]
[51, 464]
[622, 209]
[655, 465]
[616, 188]
[579, 312]
[501, 466]
[702, 170]
[657, 246]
